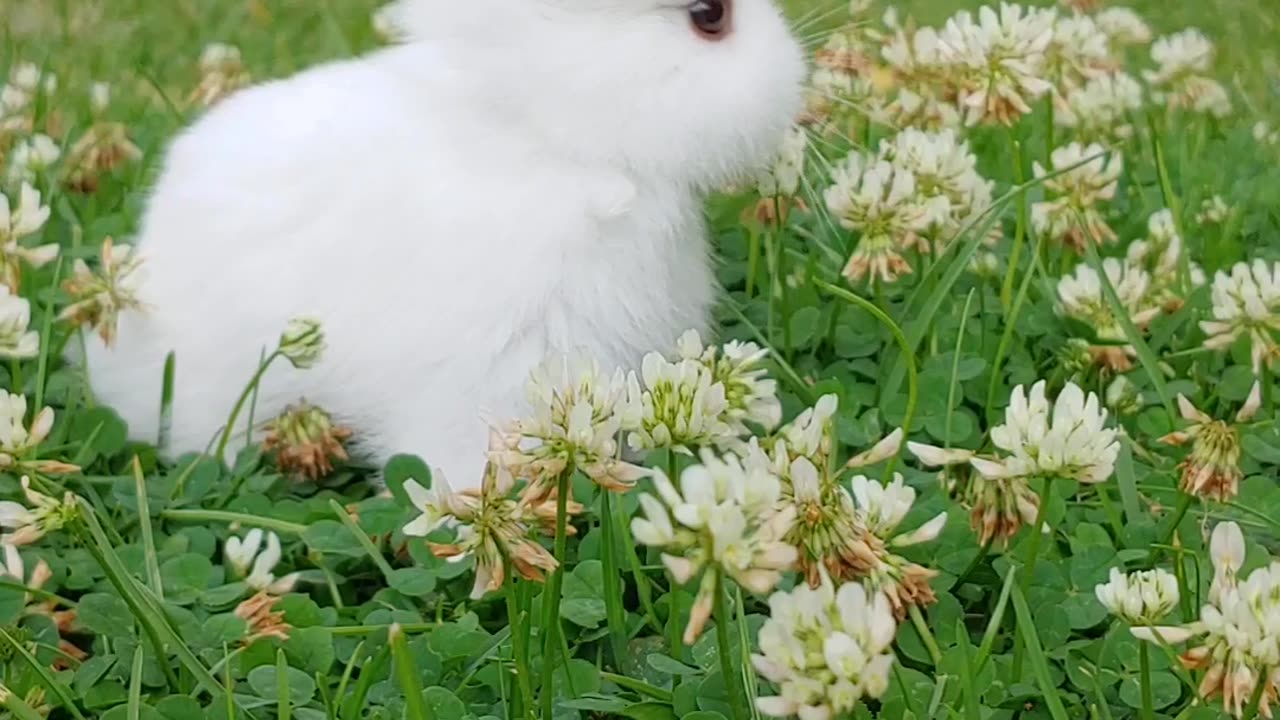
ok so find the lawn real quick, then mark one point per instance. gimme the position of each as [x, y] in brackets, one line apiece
[997, 443]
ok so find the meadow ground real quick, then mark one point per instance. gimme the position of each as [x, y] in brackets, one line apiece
[1071, 367]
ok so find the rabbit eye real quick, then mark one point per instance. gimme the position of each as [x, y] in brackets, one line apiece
[711, 18]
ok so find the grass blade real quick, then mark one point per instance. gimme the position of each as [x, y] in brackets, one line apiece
[908, 355]
[363, 538]
[148, 613]
[50, 683]
[166, 403]
[284, 706]
[1010, 323]
[1036, 658]
[1127, 480]
[1149, 361]
[972, 709]
[351, 710]
[997, 619]
[134, 710]
[415, 705]
[226, 516]
[150, 556]
[615, 613]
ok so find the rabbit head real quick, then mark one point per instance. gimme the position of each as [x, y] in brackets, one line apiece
[695, 93]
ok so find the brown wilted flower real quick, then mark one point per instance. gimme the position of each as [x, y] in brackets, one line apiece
[998, 506]
[263, 619]
[306, 441]
[104, 147]
[222, 72]
[99, 297]
[1212, 470]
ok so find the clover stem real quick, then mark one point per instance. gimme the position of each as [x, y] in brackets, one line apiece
[551, 596]
[244, 397]
[1006, 289]
[518, 618]
[676, 596]
[1144, 667]
[1029, 561]
[1184, 504]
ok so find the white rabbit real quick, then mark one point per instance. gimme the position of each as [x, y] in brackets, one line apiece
[516, 178]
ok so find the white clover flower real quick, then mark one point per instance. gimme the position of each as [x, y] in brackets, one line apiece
[1239, 630]
[1073, 217]
[29, 524]
[879, 509]
[1099, 110]
[16, 341]
[26, 219]
[1185, 53]
[256, 564]
[492, 525]
[1079, 51]
[1123, 397]
[15, 569]
[1081, 296]
[1161, 255]
[723, 519]
[99, 297]
[943, 167]
[750, 395]
[302, 342]
[679, 406]
[882, 203]
[99, 97]
[825, 650]
[1226, 553]
[1068, 440]
[576, 414]
[1123, 26]
[808, 433]
[1263, 133]
[827, 531]
[31, 157]
[387, 23]
[783, 177]
[1000, 59]
[18, 439]
[1180, 80]
[1246, 302]
[1139, 598]
[924, 81]
[1213, 211]
[25, 75]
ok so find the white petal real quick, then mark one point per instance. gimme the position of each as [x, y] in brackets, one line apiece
[925, 533]
[1169, 634]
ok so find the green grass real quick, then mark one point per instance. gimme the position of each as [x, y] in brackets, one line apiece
[378, 627]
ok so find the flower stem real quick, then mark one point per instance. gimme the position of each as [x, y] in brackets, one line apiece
[1144, 667]
[1006, 290]
[519, 646]
[753, 261]
[675, 597]
[551, 597]
[244, 397]
[1029, 562]
[732, 679]
[1184, 504]
[615, 614]
[926, 635]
